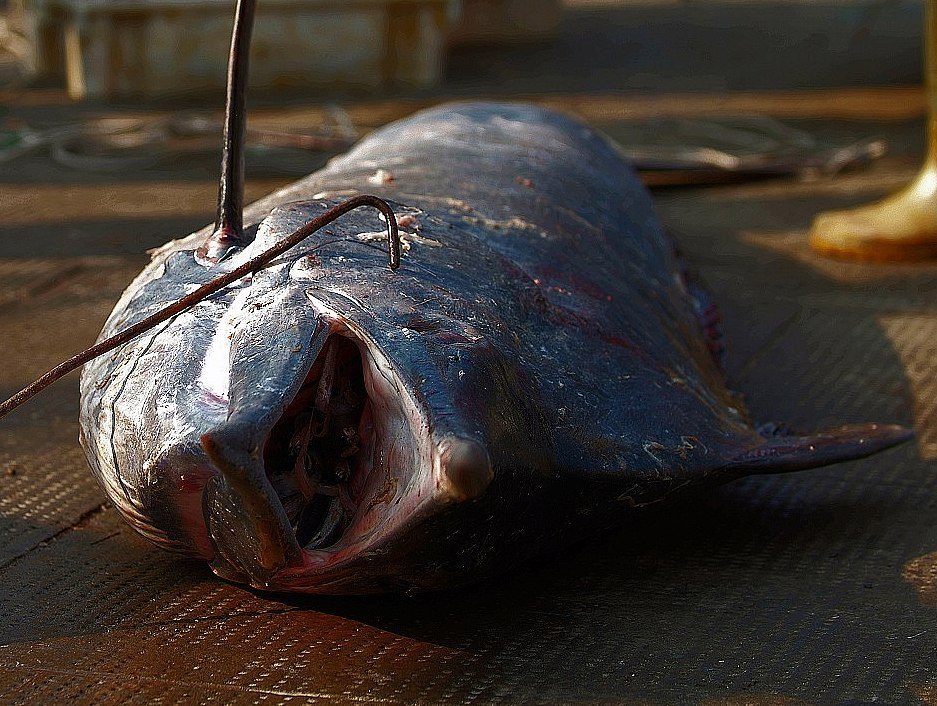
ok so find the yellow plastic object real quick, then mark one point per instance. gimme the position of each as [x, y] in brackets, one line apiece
[902, 226]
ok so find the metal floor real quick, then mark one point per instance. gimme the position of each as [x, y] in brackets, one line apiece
[811, 588]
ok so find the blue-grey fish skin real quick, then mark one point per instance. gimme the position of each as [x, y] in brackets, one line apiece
[534, 369]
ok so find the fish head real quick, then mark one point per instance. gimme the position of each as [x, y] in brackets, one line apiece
[317, 415]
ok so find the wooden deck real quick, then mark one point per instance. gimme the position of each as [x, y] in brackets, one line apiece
[810, 588]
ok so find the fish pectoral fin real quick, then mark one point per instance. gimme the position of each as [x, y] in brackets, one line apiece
[246, 522]
[779, 454]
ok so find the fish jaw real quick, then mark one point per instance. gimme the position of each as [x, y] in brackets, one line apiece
[421, 450]
[279, 518]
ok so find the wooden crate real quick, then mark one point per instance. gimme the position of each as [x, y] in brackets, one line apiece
[110, 49]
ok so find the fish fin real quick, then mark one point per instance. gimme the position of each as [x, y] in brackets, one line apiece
[780, 454]
[705, 308]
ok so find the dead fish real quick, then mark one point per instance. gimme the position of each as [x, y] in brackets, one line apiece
[540, 365]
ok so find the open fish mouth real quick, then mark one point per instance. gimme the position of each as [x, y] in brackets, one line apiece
[350, 465]
[322, 452]
[352, 442]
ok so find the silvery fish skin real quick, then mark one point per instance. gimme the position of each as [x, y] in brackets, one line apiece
[534, 370]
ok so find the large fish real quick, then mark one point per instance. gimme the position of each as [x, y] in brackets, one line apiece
[540, 365]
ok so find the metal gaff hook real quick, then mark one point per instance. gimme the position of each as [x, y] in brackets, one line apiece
[209, 288]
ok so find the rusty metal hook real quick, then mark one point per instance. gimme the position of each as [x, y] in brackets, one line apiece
[229, 228]
[209, 288]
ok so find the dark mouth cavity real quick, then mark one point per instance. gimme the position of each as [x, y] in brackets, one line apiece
[315, 456]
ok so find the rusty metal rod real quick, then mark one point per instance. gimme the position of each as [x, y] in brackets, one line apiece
[229, 226]
[209, 288]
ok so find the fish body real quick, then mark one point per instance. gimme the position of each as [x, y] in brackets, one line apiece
[539, 366]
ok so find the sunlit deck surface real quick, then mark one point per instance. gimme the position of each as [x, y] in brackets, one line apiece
[810, 588]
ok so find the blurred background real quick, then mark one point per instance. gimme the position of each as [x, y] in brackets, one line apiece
[696, 91]
[123, 49]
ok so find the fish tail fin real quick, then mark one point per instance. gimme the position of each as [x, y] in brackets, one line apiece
[783, 453]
